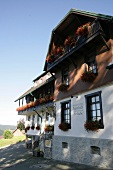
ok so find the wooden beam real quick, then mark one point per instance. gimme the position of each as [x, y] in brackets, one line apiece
[105, 42]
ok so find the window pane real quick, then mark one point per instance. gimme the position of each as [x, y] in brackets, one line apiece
[98, 105]
[93, 113]
[66, 116]
[66, 105]
[93, 107]
[93, 99]
[97, 98]
[98, 112]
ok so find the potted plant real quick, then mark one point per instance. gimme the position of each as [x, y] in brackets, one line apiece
[62, 87]
[88, 76]
[91, 125]
[64, 126]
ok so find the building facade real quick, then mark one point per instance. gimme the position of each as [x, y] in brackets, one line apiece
[38, 107]
[79, 54]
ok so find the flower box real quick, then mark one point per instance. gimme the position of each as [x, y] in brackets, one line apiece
[83, 30]
[92, 126]
[59, 50]
[88, 77]
[64, 126]
[69, 43]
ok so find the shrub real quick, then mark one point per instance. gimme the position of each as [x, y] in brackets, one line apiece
[8, 134]
[21, 125]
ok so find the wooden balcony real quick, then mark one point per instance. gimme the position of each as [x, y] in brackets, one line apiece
[95, 38]
[38, 104]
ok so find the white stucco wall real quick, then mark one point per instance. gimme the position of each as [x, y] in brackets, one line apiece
[78, 118]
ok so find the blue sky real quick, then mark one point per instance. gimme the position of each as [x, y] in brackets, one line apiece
[25, 30]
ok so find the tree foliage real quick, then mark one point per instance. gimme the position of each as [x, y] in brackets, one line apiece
[7, 134]
[21, 125]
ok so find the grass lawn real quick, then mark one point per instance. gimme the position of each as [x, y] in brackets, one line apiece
[15, 139]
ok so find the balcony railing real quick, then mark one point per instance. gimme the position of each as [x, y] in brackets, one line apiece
[77, 42]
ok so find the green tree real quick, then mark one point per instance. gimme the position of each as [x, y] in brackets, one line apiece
[21, 125]
[7, 134]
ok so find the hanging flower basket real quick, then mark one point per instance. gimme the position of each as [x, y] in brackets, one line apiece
[27, 128]
[32, 127]
[88, 77]
[37, 127]
[64, 126]
[62, 87]
[92, 126]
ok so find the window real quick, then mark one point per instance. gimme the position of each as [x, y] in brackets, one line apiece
[66, 112]
[29, 117]
[92, 66]
[64, 145]
[95, 150]
[65, 76]
[94, 108]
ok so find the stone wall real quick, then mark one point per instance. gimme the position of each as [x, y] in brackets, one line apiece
[89, 151]
[48, 145]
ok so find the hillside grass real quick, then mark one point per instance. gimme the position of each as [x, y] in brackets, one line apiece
[15, 139]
